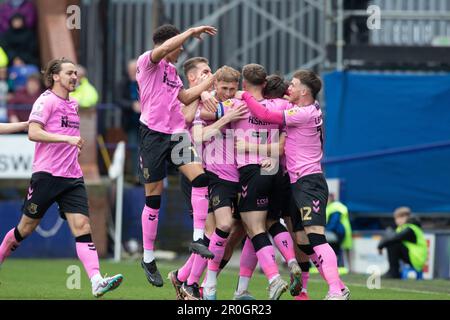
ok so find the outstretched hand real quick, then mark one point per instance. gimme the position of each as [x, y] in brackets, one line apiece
[209, 101]
[198, 31]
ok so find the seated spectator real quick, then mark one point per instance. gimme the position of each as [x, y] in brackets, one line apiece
[24, 98]
[4, 61]
[407, 244]
[85, 93]
[25, 7]
[19, 42]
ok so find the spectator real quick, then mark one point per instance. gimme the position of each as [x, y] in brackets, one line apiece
[24, 7]
[407, 244]
[3, 93]
[4, 61]
[128, 100]
[85, 93]
[338, 228]
[18, 75]
[19, 42]
[24, 98]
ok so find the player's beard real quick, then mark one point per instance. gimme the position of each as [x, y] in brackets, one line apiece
[71, 86]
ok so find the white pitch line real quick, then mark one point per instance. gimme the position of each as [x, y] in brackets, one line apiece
[389, 288]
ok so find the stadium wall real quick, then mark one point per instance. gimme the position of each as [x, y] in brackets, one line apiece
[388, 140]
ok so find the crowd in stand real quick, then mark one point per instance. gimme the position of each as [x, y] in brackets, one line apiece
[20, 78]
[21, 81]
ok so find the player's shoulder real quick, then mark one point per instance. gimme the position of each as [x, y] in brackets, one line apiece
[144, 61]
[280, 103]
[144, 56]
[46, 97]
[315, 108]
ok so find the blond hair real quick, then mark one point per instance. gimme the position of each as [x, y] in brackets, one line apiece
[227, 74]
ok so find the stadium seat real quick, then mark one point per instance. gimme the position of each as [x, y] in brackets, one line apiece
[409, 272]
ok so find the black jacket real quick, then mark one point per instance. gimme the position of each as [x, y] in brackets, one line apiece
[406, 235]
[20, 43]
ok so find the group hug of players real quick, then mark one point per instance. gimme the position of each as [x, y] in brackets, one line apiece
[247, 158]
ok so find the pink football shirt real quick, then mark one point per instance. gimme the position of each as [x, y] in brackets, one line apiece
[219, 153]
[58, 116]
[255, 131]
[304, 141]
[159, 85]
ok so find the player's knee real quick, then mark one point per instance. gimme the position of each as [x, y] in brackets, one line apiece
[255, 230]
[316, 239]
[201, 181]
[81, 226]
[153, 202]
[27, 227]
[154, 188]
[225, 224]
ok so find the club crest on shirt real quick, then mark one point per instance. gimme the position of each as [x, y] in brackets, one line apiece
[292, 111]
[228, 103]
[32, 208]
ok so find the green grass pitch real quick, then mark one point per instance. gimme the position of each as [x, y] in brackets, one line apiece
[46, 279]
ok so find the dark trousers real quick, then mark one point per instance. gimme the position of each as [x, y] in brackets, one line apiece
[396, 252]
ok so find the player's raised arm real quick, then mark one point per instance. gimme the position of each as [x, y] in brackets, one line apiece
[6, 128]
[161, 50]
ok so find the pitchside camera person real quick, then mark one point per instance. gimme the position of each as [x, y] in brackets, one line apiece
[57, 176]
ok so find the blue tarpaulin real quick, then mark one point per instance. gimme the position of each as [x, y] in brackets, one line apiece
[388, 140]
[52, 238]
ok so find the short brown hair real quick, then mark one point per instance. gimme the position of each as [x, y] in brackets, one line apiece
[310, 79]
[254, 73]
[53, 67]
[192, 63]
[402, 212]
[227, 74]
[276, 87]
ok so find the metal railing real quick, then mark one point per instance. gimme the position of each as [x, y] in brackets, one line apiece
[402, 23]
[282, 35]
